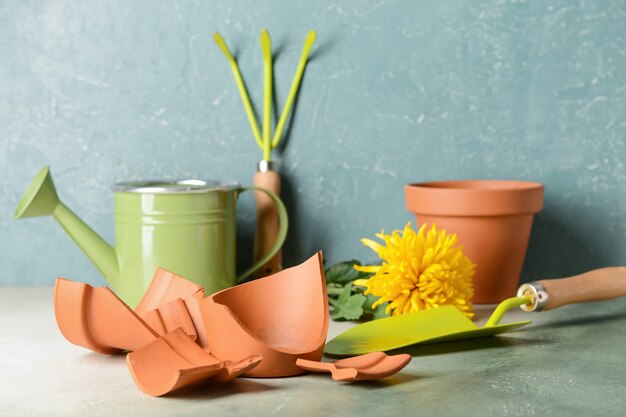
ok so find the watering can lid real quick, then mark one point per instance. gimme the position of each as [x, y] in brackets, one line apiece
[174, 186]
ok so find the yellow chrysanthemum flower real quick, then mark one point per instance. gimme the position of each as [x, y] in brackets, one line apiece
[420, 271]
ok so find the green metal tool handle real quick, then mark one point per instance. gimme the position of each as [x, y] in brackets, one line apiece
[280, 238]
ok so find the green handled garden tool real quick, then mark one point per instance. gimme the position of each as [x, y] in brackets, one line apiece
[266, 176]
[447, 323]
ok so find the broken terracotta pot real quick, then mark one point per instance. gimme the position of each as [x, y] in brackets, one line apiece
[283, 317]
[174, 361]
[275, 326]
[375, 365]
[97, 319]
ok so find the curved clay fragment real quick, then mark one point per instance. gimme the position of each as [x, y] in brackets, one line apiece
[97, 319]
[193, 309]
[165, 287]
[283, 317]
[175, 361]
[375, 365]
[170, 317]
[172, 301]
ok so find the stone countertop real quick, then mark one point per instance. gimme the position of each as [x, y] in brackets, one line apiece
[571, 361]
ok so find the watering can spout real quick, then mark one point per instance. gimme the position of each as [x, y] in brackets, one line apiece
[41, 199]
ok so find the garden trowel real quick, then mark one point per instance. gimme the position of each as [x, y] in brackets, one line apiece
[447, 323]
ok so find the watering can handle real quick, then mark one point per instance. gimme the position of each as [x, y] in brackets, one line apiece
[596, 285]
[280, 238]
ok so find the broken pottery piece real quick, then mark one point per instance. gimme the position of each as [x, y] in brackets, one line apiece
[366, 367]
[97, 319]
[193, 308]
[172, 301]
[283, 317]
[165, 287]
[169, 317]
[175, 361]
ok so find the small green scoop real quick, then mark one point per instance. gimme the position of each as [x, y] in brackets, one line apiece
[446, 323]
[441, 324]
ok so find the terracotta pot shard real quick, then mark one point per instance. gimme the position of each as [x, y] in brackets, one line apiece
[283, 317]
[169, 317]
[164, 288]
[97, 319]
[172, 301]
[174, 361]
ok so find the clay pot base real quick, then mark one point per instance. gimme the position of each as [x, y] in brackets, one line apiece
[375, 365]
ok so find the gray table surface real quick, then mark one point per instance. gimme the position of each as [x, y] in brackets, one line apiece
[570, 361]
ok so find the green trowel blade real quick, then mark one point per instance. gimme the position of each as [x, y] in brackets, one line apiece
[441, 324]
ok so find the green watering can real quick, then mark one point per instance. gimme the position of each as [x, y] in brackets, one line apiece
[187, 227]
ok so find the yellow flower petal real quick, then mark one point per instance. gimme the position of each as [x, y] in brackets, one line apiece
[360, 282]
[376, 247]
[367, 268]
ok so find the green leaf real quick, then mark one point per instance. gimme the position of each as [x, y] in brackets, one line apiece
[347, 306]
[375, 313]
[344, 272]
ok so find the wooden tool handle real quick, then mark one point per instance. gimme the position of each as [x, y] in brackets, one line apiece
[266, 222]
[599, 284]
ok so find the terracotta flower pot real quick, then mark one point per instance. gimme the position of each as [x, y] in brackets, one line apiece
[492, 220]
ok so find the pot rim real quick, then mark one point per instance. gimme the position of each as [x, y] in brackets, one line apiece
[184, 186]
[474, 197]
[473, 185]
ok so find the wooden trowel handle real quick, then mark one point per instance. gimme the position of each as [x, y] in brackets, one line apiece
[266, 222]
[599, 284]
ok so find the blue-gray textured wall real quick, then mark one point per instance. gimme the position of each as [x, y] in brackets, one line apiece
[396, 92]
